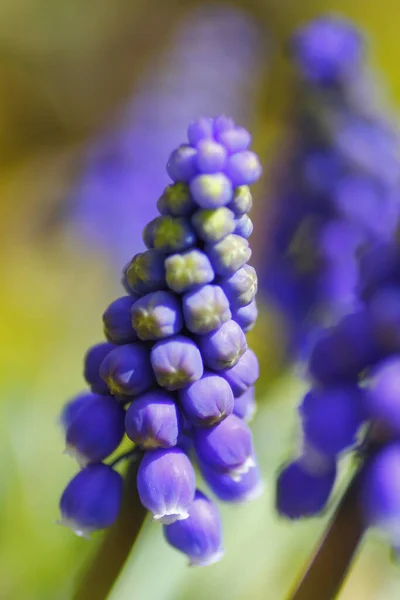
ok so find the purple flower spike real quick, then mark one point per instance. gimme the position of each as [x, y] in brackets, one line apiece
[213, 225]
[93, 359]
[181, 164]
[331, 418]
[242, 201]
[241, 287]
[221, 349]
[244, 226]
[145, 273]
[246, 316]
[176, 362]
[229, 255]
[211, 191]
[157, 315]
[201, 129]
[117, 321]
[188, 270]
[235, 140]
[169, 234]
[127, 370]
[383, 393]
[166, 484]
[200, 535]
[94, 428]
[176, 201]
[303, 494]
[153, 421]
[91, 500]
[244, 374]
[243, 168]
[211, 156]
[205, 309]
[245, 405]
[207, 401]
[227, 489]
[226, 447]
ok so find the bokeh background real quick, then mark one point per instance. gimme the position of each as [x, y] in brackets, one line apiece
[93, 96]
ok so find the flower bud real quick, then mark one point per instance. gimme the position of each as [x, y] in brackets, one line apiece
[221, 349]
[229, 255]
[207, 401]
[244, 374]
[205, 309]
[244, 226]
[117, 321]
[243, 168]
[245, 405]
[166, 484]
[127, 370]
[200, 129]
[176, 362]
[213, 225]
[246, 316]
[93, 359]
[211, 191]
[242, 201]
[153, 421]
[169, 234]
[235, 139]
[382, 396]
[176, 201]
[188, 270]
[248, 488]
[241, 287]
[156, 315]
[211, 156]
[145, 273]
[181, 165]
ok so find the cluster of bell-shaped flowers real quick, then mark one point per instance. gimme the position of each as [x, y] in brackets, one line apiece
[176, 374]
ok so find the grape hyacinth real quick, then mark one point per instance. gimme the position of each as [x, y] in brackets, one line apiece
[337, 189]
[176, 374]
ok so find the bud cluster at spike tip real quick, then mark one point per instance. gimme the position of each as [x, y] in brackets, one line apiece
[176, 374]
[337, 185]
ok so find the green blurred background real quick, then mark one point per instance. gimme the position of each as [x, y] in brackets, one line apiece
[65, 69]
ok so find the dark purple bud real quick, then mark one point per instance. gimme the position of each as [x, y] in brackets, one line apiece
[91, 500]
[145, 273]
[153, 421]
[188, 270]
[244, 374]
[248, 488]
[117, 321]
[245, 405]
[176, 201]
[94, 428]
[226, 447]
[201, 129]
[221, 349]
[181, 165]
[166, 484]
[211, 156]
[244, 226]
[205, 309]
[242, 201]
[169, 234]
[200, 535]
[212, 225]
[229, 255]
[127, 370]
[241, 287]
[246, 316]
[157, 315]
[93, 359]
[211, 191]
[243, 168]
[235, 139]
[207, 401]
[176, 362]
[72, 408]
[383, 394]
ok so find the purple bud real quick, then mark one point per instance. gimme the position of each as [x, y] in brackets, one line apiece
[200, 535]
[221, 349]
[201, 129]
[223, 123]
[213, 225]
[153, 421]
[145, 273]
[211, 156]
[169, 234]
[246, 316]
[176, 201]
[229, 255]
[245, 405]
[211, 191]
[93, 359]
[117, 321]
[156, 316]
[127, 370]
[166, 484]
[72, 408]
[303, 494]
[226, 447]
[176, 362]
[383, 395]
[181, 165]
[235, 140]
[227, 489]
[244, 226]
[241, 287]
[207, 401]
[188, 270]
[94, 428]
[205, 309]
[242, 201]
[243, 168]
[244, 374]
[91, 500]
